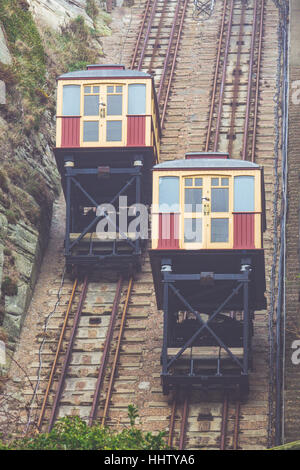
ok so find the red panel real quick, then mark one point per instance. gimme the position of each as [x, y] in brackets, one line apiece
[168, 235]
[70, 132]
[243, 231]
[136, 130]
[105, 67]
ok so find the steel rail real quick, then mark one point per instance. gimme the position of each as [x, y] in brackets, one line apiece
[235, 444]
[172, 420]
[68, 355]
[117, 353]
[140, 34]
[105, 353]
[173, 63]
[147, 34]
[58, 349]
[236, 79]
[261, 27]
[156, 43]
[248, 102]
[224, 422]
[220, 107]
[224, 425]
[167, 57]
[212, 102]
[185, 412]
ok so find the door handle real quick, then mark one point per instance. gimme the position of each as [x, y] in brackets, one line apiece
[102, 112]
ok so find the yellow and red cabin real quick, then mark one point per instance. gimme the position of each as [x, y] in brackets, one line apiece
[208, 214]
[106, 113]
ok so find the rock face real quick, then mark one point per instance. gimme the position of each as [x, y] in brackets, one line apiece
[5, 56]
[55, 13]
[27, 257]
[21, 245]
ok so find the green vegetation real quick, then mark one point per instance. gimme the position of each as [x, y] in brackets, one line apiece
[4, 181]
[25, 194]
[290, 446]
[71, 49]
[9, 287]
[72, 433]
[28, 71]
[12, 216]
[92, 9]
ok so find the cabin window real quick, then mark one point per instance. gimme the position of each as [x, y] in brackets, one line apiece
[114, 101]
[113, 131]
[219, 194]
[244, 193]
[137, 99]
[91, 131]
[193, 194]
[71, 100]
[91, 100]
[219, 230]
[169, 194]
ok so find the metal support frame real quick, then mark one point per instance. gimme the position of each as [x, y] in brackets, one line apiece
[203, 9]
[134, 176]
[221, 378]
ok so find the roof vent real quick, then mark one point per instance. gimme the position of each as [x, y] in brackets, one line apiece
[105, 67]
[212, 155]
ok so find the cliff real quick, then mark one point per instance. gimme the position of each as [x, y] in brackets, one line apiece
[39, 39]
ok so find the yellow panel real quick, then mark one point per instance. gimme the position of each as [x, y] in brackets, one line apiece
[150, 121]
[207, 174]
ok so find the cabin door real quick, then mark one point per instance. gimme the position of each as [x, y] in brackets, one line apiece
[219, 213]
[104, 118]
[207, 212]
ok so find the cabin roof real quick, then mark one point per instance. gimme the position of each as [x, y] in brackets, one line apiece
[106, 73]
[206, 163]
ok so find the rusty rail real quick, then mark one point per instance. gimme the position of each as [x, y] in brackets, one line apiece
[140, 34]
[183, 426]
[147, 34]
[167, 57]
[236, 426]
[105, 354]
[183, 421]
[248, 103]
[224, 422]
[58, 350]
[163, 115]
[156, 43]
[181, 5]
[261, 26]
[172, 420]
[236, 80]
[224, 426]
[220, 107]
[117, 353]
[68, 355]
[218, 61]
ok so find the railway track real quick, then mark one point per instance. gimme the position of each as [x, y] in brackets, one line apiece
[82, 368]
[81, 380]
[232, 126]
[157, 45]
[190, 124]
